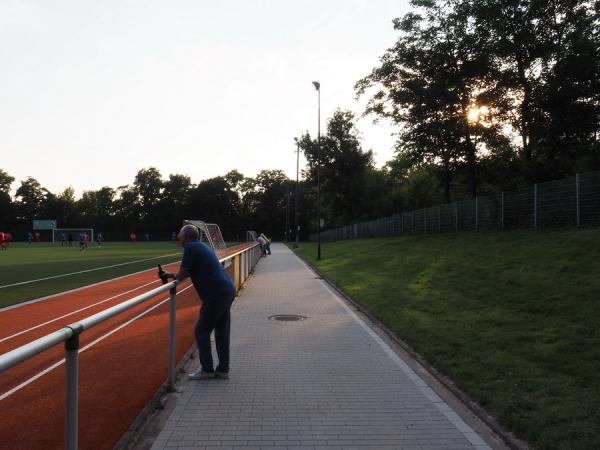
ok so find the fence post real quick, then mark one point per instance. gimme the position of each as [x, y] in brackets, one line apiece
[577, 199]
[172, 326]
[456, 215]
[535, 197]
[72, 390]
[502, 210]
[476, 213]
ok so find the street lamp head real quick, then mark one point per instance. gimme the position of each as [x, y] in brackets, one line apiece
[317, 85]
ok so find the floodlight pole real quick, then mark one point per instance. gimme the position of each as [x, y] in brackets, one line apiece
[297, 190]
[287, 213]
[317, 86]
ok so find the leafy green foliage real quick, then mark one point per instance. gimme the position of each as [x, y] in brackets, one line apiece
[512, 318]
[465, 79]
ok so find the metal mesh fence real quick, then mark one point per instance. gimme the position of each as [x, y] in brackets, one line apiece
[566, 202]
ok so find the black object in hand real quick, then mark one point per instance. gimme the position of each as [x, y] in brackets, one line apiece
[164, 276]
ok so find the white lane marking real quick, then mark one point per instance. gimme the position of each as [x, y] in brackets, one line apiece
[84, 271]
[48, 297]
[76, 311]
[101, 338]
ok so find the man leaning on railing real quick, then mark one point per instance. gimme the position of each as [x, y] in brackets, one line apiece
[217, 292]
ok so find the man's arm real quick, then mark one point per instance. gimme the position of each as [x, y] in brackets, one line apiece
[182, 274]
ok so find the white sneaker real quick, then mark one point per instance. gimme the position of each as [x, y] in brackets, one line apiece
[200, 375]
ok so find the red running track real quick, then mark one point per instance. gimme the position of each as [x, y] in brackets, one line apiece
[119, 370]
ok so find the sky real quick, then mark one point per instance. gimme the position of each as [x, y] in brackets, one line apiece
[91, 92]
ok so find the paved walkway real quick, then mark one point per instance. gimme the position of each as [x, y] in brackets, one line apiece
[328, 382]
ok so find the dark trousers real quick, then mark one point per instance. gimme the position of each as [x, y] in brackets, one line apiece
[214, 315]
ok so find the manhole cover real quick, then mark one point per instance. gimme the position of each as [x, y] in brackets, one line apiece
[287, 317]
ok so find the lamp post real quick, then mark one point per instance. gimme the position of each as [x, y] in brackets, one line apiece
[297, 192]
[317, 86]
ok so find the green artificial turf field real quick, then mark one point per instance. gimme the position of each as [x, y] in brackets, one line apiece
[23, 262]
[512, 318]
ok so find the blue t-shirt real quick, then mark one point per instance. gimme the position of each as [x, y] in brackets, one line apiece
[208, 275]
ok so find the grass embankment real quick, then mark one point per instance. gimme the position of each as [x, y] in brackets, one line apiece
[512, 318]
[23, 262]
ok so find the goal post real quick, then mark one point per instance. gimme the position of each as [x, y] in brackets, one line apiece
[210, 234]
[57, 233]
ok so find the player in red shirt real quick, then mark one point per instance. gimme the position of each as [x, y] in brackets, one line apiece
[132, 237]
[86, 240]
[7, 239]
[37, 236]
[2, 240]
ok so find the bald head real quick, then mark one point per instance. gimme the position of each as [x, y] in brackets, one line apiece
[187, 234]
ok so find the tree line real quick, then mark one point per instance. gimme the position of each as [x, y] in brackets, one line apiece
[485, 96]
[157, 205]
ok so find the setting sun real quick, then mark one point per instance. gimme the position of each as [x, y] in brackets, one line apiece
[477, 112]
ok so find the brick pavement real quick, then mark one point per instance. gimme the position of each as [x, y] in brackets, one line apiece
[327, 382]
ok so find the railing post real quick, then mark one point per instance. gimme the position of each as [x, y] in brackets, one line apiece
[172, 349]
[72, 390]
[578, 210]
[535, 198]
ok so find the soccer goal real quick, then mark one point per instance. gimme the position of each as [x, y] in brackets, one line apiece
[251, 236]
[62, 234]
[210, 233]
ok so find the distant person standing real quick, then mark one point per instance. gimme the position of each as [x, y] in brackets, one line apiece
[267, 243]
[99, 238]
[174, 237]
[2, 240]
[86, 240]
[217, 292]
[263, 245]
[132, 237]
[29, 237]
[7, 240]
[37, 236]
[63, 239]
[70, 239]
[81, 241]
[147, 237]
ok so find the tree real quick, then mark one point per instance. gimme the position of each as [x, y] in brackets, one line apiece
[344, 167]
[30, 197]
[6, 205]
[428, 83]
[174, 200]
[5, 181]
[148, 186]
[96, 208]
[545, 58]
[215, 201]
[62, 208]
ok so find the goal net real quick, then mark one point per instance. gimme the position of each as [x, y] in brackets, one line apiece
[71, 234]
[210, 234]
[251, 236]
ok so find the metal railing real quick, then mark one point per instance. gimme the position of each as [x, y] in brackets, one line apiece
[239, 265]
[573, 201]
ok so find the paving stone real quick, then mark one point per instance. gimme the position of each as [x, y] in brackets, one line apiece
[327, 382]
